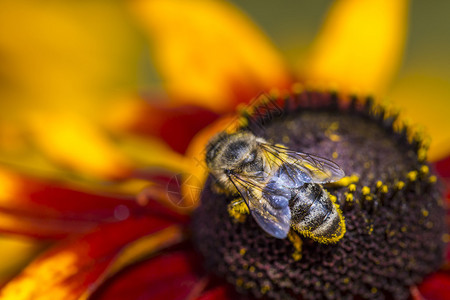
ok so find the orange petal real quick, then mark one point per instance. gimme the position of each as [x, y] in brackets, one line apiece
[74, 270]
[209, 52]
[360, 46]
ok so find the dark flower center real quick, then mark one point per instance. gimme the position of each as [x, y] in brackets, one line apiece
[392, 206]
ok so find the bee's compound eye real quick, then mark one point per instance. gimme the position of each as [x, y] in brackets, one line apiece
[236, 151]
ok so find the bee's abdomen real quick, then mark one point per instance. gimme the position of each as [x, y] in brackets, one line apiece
[315, 215]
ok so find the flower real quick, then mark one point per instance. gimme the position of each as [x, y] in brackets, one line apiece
[105, 233]
[391, 204]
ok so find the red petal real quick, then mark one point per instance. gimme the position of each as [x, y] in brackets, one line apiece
[176, 125]
[443, 167]
[168, 276]
[52, 210]
[75, 269]
[224, 292]
[436, 287]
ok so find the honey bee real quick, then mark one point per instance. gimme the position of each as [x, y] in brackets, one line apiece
[281, 187]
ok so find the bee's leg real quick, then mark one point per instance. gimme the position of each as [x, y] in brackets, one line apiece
[218, 188]
[297, 242]
[237, 209]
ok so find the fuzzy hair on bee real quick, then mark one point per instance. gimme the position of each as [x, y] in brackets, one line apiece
[281, 187]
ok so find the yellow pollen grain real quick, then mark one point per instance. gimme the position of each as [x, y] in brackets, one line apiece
[432, 179]
[379, 183]
[334, 137]
[425, 212]
[365, 190]
[352, 187]
[346, 280]
[422, 154]
[412, 176]
[297, 242]
[335, 155]
[424, 169]
[374, 290]
[446, 238]
[252, 269]
[384, 189]
[243, 122]
[400, 185]
[239, 282]
[404, 228]
[346, 181]
[242, 251]
[297, 256]
[286, 139]
[334, 126]
[333, 198]
[237, 209]
[348, 197]
[265, 289]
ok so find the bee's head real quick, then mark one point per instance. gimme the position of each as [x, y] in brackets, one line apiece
[227, 153]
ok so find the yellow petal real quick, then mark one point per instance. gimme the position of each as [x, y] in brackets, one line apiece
[152, 152]
[14, 253]
[423, 97]
[74, 142]
[54, 274]
[67, 57]
[209, 52]
[66, 54]
[360, 45]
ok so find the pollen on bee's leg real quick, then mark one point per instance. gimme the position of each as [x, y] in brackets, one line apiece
[390, 208]
[297, 242]
[238, 210]
[345, 181]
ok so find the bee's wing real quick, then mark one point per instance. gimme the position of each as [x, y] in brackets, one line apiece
[275, 222]
[309, 167]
